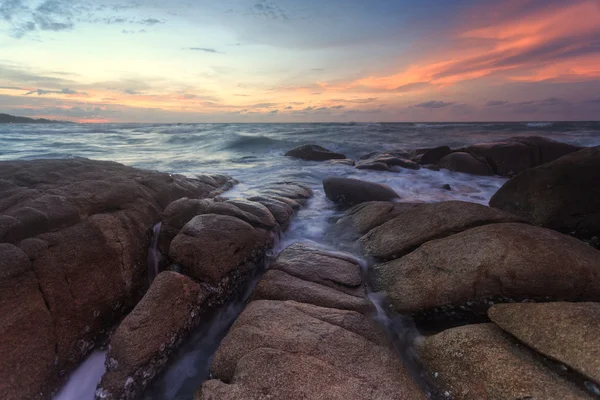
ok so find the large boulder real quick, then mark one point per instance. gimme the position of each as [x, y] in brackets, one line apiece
[85, 227]
[366, 216]
[465, 162]
[563, 195]
[141, 345]
[476, 362]
[302, 339]
[312, 152]
[210, 246]
[387, 161]
[418, 225]
[516, 154]
[353, 191]
[504, 261]
[566, 332]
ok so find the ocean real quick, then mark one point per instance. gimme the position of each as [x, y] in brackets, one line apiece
[254, 155]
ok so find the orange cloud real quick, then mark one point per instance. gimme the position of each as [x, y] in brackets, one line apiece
[554, 43]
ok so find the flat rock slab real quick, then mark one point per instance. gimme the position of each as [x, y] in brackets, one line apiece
[566, 332]
[140, 347]
[301, 339]
[514, 261]
[421, 224]
[367, 216]
[353, 191]
[476, 362]
[563, 195]
[278, 285]
[309, 263]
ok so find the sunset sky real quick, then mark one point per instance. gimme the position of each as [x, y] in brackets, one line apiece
[300, 60]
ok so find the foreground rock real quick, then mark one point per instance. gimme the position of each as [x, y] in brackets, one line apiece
[353, 191]
[491, 263]
[305, 335]
[74, 237]
[418, 225]
[563, 195]
[220, 244]
[144, 340]
[312, 152]
[366, 216]
[481, 362]
[566, 332]
[293, 350]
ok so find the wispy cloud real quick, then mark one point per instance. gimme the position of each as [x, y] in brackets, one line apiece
[205, 50]
[41, 92]
[434, 104]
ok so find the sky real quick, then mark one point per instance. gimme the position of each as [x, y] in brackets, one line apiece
[300, 60]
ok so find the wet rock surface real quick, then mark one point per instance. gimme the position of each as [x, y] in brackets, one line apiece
[84, 227]
[312, 152]
[464, 162]
[482, 362]
[366, 216]
[149, 334]
[565, 332]
[308, 346]
[503, 260]
[348, 191]
[563, 195]
[219, 244]
[418, 225]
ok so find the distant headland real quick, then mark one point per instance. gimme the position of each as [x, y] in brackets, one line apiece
[12, 119]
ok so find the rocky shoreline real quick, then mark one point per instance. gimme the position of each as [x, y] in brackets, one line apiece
[506, 297]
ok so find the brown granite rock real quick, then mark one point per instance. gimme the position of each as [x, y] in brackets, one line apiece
[140, 347]
[418, 225]
[465, 162]
[563, 195]
[85, 228]
[516, 154]
[566, 332]
[309, 263]
[211, 245]
[313, 337]
[278, 285]
[353, 191]
[366, 216]
[514, 261]
[312, 152]
[476, 362]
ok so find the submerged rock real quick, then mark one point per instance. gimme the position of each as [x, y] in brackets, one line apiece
[353, 191]
[312, 152]
[566, 332]
[465, 162]
[418, 225]
[502, 260]
[476, 362]
[563, 195]
[141, 345]
[386, 161]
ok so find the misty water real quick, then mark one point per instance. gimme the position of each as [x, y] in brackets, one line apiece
[254, 155]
